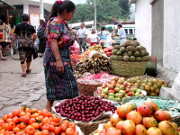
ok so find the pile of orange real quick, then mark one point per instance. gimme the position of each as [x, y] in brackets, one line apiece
[26, 121]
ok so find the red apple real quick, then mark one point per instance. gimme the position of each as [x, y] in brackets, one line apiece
[131, 94]
[111, 91]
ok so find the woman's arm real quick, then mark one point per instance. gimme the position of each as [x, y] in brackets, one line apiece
[13, 39]
[55, 50]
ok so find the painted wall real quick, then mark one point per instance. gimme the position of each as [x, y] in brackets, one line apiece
[143, 23]
[172, 35]
[158, 30]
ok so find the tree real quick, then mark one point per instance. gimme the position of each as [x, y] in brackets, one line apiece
[125, 8]
[108, 11]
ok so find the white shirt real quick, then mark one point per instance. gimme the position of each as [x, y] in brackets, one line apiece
[103, 33]
[82, 33]
[93, 37]
[121, 33]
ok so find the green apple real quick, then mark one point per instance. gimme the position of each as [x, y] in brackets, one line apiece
[111, 94]
[117, 99]
[105, 90]
[111, 97]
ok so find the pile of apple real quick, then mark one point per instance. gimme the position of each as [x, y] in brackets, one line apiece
[117, 88]
[150, 84]
[108, 51]
[26, 121]
[146, 119]
[84, 108]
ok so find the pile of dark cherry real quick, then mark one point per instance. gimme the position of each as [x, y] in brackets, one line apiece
[84, 108]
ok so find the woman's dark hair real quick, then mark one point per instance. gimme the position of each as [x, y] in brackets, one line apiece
[59, 8]
[25, 17]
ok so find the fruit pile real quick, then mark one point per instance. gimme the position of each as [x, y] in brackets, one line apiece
[117, 88]
[26, 121]
[130, 51]
[95, 64]
[150, 84]
[146, 119]
[108, 51]
[84, 108]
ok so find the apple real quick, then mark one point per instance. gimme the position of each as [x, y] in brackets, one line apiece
[111, 98]
[130, 84]
[137, 94]
[117, 99]
[121, 96]
[105, 90]
[117, 95]
[122, 87]
[111, 91]
[110, 86]
[134, 89]
[130, 94]
[125, 83]
[111, 94]
[122, 92]
[127, 90]
[115, 78]
[104, 85]
[116, 89]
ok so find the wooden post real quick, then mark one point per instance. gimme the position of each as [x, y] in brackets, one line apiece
[7, 16]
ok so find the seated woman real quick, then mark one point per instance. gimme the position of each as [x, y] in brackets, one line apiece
[1, 55]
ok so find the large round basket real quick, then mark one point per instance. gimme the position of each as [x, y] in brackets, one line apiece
[128, 69]
[88, 128]
[87, 89]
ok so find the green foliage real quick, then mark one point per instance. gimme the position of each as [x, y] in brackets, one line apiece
[108, 11]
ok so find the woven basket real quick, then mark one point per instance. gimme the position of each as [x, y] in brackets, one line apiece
[88, 128]
[87, 89]
[128, 69]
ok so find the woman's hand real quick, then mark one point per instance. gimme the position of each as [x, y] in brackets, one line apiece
[59, 66]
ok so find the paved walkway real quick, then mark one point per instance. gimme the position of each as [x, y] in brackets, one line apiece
[16, 91]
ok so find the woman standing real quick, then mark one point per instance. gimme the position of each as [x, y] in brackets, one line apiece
[27, 33]
[60, 81]
[93, 38]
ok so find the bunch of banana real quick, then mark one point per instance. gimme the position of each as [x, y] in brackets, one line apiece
[95, 48]
[93, 65]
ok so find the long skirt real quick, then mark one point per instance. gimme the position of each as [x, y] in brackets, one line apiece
[60, 86]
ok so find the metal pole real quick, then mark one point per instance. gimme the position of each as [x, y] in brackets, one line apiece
[95, 15]
[41, 9]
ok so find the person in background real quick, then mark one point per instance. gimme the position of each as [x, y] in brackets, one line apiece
[82, 35]
[1, 54]
[42, 36]
[25, 30]
[60, 81]
[93, 38]
[121, 32]
[104, 32]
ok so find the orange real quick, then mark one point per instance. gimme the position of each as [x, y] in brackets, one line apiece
[30, 130]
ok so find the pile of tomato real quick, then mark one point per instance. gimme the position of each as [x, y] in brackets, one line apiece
[26, 121]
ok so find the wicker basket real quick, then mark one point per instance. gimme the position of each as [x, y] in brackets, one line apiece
[128, 69]
[87, 89]
[88, 128]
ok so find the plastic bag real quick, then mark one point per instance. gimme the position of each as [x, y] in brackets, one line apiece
[75, 48]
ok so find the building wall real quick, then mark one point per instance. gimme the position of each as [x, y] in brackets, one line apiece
[158, 30]
[143, 23]
[171, 35]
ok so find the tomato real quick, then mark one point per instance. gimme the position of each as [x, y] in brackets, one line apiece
[1, 122]
[32, 120]
[16, 119]
[45, 132]
[25, 119]
[16, 113]
[35, 125]
[46, 127]
[70, 131]
[38, 133]
[56, 119]
[30, 130]
[57, 130]
[11, 125]
[16, 129]
[63, 127]
[22, 125]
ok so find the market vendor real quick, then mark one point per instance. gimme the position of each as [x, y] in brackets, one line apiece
[121, 32]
